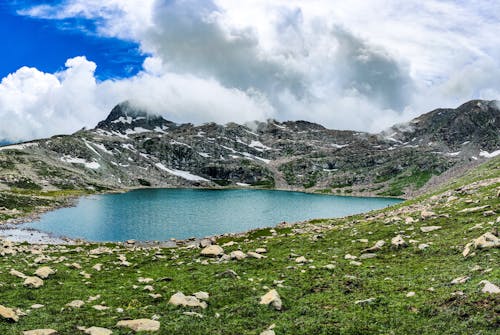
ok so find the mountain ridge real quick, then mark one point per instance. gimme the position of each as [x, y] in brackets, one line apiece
[132, 148]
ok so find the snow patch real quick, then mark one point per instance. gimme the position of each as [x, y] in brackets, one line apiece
[339, 146]
[19, 146]
[243, 184]
[88, 165]
[179, 173]
[204, 154]
[487, 154]
[259, 146]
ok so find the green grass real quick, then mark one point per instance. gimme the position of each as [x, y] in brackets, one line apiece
[414, 178]
[316, 300]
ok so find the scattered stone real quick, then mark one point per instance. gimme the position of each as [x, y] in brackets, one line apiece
[398, 242]
[179, 299]
[301, 259]
[489, 287]
[410, 294]
[97, 331]
[429, 229]
[145, 280]
[423, 246]
[261, 250]
[75, 304]
[349, 256]
[489, 213]
[229, 244]
[8, 314]
[140, 325]
[212, 251]
[238, 255]
[37, 306]
[100, 307]
[473, 209]
[378, 245]
[33, 282]
[205, 242]
[228, 274]
[17, 274]
[273, 299]
[255, 255]
[460, 280]
[487, 240]
[329, 266]
[198, 315]
[44, 272]
[409, 220]
[426, 214]
[202, 295]
[40, 332]
[97, 267]
[355, 263]
[467, 249]
[268, 332]
[367, 256]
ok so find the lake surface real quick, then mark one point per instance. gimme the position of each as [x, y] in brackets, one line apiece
[160, 214]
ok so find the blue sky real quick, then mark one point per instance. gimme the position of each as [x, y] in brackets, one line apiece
[47, 44]
[358, 65]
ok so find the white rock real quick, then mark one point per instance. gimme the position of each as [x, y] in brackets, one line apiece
[301, 259]
[97, 331]
[238, 255]
[33, 282]
[44, 272]
[140, 325]
[428, 229]
[179, 299]
[75, 304]
[398, 242]
[460, 280]
[40, 332]
[273, 299]
[202, 295]
[212, 251]
[8, 314]
[489, 287]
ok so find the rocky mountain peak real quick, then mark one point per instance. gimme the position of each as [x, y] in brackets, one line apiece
[127, 118]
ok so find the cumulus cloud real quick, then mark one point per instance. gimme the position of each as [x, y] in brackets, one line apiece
[350, 65]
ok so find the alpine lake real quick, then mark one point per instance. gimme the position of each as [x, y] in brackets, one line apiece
[161, 214]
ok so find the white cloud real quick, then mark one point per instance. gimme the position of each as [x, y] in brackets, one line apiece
[360, 65]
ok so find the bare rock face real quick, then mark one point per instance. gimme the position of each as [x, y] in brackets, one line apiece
[140, 325]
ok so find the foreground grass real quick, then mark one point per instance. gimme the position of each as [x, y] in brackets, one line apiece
[316, 300]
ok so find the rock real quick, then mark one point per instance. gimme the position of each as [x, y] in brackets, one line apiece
[273, 299]
[489, 287]
[140, 325]
[8, 314]
[268, 332]
[198, 315]
[410, 294]
[37, 306]
[489, 213]
[44, 272]
[301, 259]
[355, 263]
[212, 251]
[75, 304]
[429, 229]
[205, 242]
[202, 295]
[238, 255]
[100, 307]
[145, 280]
[179, 299]
[40, 332]
[349, 256]
[473, 209]
[97, 331]
[467, 249]
[97, 267]
[487, 240]
[255, 255]
[398, 242]
[378, 245]
[423, 246]
[426, 214]
[367, 256]
[228, 274]
[261, 250]
[17, 274]
[460, 280]
[33, 282]
[364, 302]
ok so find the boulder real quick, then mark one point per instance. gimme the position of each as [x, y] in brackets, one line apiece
[179, 299]
[429, 229]
[140, 325]
[398, 242]
[486, 241]
[272, 298]
[40, 332]
[212, 251]
[489, 287]
[33, 282]
[75, 304]
[97, 331]
[8, 314]
[44, 272]
[378, 245]
[238, 255]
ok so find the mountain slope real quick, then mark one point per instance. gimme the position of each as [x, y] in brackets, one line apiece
[132, 148]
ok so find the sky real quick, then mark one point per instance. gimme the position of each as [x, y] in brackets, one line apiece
[359, 65]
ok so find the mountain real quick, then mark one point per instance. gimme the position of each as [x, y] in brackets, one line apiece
[133, 148]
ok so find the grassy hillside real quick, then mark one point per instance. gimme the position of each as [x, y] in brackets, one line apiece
[333, 289]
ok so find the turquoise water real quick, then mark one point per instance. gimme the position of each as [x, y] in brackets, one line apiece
[160, 214]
